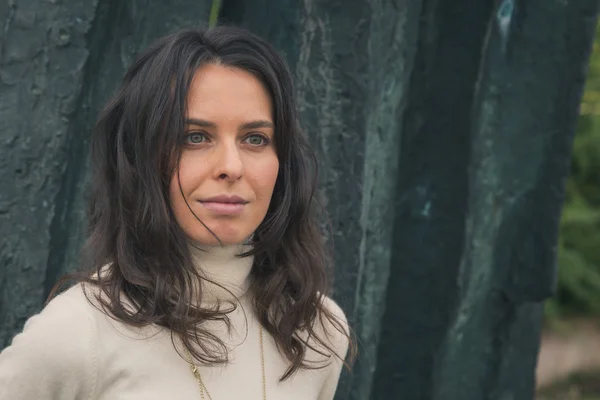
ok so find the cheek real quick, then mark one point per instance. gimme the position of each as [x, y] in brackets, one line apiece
[190, 173]
[182, 179]
[265, 178]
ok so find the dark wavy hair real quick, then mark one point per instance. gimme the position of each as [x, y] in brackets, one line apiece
[137, 252]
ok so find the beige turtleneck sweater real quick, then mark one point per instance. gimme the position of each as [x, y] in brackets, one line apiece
[71, 350]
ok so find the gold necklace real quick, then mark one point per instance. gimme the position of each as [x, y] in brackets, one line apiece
[201, 384]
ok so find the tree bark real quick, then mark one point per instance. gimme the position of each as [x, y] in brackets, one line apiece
[527, 101]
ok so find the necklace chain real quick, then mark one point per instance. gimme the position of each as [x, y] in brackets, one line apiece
[204, 390]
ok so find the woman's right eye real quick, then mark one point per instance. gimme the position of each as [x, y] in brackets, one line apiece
[195, 138]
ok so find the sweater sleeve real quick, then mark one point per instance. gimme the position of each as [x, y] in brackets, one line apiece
[340, 345]
[54, 357]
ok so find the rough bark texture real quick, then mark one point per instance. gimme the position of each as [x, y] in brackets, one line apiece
[444, 130]
[43, 56]
[527, 98]
[484, 155]
[59, 62]
[431, 195]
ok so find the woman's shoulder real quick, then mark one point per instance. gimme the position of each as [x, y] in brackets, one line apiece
[337, 331]
[335, 309]
[77, 306]
[66, 320]
[56, 350]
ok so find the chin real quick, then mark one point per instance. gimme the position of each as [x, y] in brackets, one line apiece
[225, 238]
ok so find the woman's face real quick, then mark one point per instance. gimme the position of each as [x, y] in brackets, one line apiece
[229, 165]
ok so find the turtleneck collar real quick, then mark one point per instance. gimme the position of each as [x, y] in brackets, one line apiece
[222, 265]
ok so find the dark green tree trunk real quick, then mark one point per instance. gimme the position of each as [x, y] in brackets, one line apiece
[525, 111]
[43, 55]
[59, 62]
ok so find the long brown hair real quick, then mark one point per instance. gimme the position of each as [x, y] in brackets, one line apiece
[137, 252]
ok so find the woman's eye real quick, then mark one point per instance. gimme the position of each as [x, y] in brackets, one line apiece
[195, 138]
[256, 140]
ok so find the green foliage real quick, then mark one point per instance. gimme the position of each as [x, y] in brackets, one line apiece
[214, 13]
[579, 243]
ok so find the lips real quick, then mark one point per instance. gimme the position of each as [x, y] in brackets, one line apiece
[224, 198]
[225, 204]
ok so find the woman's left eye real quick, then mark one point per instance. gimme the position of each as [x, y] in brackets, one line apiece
[195, 138]
[257, 140]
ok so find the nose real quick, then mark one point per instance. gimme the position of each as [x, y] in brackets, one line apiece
[229, 164]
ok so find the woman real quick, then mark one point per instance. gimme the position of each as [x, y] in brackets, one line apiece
[208, 278]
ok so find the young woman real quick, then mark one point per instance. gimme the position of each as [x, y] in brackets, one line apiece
[206, 271]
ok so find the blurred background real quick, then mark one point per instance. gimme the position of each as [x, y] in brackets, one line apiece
[570, 358]
[459, 147]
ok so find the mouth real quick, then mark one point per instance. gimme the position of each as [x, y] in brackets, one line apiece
[225, 205]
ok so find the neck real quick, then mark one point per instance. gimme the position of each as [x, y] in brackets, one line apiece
[227, 275]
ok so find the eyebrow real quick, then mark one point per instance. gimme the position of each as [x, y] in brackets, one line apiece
[247, 125]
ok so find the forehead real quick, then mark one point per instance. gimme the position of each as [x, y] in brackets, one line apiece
[221, 93]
